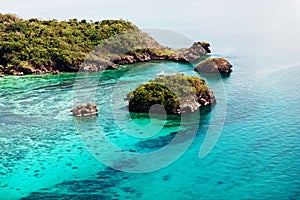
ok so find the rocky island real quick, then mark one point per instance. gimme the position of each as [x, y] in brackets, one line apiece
[50, 46]
[175, 93]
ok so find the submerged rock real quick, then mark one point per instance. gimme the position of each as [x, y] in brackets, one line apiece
[175, 94]
[85, 110]
[214, 65]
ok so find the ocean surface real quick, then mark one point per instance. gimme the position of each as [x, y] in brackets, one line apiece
[247, 146]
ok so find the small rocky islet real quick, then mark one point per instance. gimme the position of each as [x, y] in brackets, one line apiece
[85, 110]
[214, 65]
[176, 94]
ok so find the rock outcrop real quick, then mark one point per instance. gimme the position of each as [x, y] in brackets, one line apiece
[195, 52]
[195, 102]
[85, 110]
[214, 65]
[175, 93]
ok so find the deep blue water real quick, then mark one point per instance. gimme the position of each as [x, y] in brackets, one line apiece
[47, 153]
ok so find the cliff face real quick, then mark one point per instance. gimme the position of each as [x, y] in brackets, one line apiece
[175, 93]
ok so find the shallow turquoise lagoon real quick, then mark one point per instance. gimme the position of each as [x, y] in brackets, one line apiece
[251, 135]
[47, 153]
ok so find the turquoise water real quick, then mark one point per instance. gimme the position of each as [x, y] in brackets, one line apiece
[245, 147]
[47, 153]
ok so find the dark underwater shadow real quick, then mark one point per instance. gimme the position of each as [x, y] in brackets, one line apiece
[174, 122]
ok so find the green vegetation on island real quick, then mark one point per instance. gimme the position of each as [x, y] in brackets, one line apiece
[46, 45]
[176, 93]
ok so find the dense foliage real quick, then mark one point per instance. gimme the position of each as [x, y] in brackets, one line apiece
[169, 91]
[50, 44]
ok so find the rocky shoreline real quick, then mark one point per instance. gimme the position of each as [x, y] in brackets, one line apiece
[185, 55]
